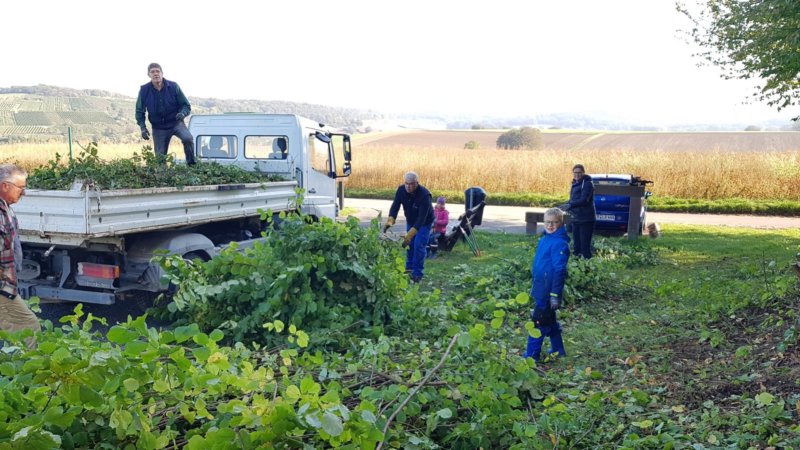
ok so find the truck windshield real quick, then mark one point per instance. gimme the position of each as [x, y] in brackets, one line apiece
[318, 151]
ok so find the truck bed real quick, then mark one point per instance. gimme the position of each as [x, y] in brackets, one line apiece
[88, 213]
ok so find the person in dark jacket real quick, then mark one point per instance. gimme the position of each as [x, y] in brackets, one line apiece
[416, 202]
[166, 107]
[582, 212]
[549, 271]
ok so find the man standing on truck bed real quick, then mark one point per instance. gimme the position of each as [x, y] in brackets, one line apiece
[166, 108]
[416, 201]
[14, 312]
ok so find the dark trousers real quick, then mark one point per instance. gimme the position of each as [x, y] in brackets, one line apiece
[161, 140]
[582, 239]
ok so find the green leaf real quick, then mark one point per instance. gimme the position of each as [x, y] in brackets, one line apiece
[522, 298]
[131, 384]
[765, 399]
[161, 386]
[313, 420]
[302, 339]
[309, 386]
[55, 416]
[120, 335]
[368, 416]
[185, 333]
[293, 393]
[444, 413]
[61, 354]
[135, 348]
[532, 330]
[90, 397]
[216, 335]
[332, 424]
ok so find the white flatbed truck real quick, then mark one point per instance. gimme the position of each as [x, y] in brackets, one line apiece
[96, 246]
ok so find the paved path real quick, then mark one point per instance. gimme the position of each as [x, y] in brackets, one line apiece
[511, 219]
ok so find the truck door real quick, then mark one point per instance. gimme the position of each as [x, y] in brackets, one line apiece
[320, 186]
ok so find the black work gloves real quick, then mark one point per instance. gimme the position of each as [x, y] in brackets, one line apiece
[145, 134]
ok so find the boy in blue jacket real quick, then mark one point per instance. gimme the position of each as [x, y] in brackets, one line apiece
[549, 272]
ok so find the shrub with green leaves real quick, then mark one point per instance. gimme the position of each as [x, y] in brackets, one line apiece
[142, 170]
[315, 275]
[144, 389]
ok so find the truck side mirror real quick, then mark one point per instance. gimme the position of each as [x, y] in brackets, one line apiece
[323, 137]
[346, 168]
[347, 150]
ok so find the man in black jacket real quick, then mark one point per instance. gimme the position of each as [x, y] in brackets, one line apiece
[417, 207]
[166, 108]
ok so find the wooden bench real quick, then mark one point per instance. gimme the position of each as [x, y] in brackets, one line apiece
[534, 222]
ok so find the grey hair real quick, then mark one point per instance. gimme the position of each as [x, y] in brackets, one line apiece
[8, 170]
[411, 176]
[555, 212]
[154, 66]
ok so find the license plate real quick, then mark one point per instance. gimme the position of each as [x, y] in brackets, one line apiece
[606, 217]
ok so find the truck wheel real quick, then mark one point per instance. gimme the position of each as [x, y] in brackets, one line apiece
[196, 256]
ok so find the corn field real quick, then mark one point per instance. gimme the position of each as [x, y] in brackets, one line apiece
[704, 174]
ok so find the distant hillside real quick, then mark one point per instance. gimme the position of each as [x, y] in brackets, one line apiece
[43, 113]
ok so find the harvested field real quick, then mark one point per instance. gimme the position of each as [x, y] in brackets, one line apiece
[740, 141]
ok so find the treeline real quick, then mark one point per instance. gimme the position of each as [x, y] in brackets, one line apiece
[347, 118]
[574, 121]
[58, 91]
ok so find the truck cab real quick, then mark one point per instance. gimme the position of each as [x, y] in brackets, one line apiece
[293, 147]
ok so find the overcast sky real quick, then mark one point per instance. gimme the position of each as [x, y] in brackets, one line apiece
[497, 58]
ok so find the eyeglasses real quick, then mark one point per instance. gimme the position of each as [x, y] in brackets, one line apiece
[21, 188]
[413, 183]
[552, 223]
[577, 172]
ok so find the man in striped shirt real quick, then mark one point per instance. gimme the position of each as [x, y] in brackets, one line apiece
[14, 312]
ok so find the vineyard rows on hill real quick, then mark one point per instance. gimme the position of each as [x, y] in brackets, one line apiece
[26, 130]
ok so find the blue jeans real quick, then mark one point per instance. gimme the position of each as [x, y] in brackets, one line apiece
[161, 140]
[417, 250]
[582, 239]
[534, 349]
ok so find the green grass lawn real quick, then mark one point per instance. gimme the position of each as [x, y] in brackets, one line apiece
[707, 330]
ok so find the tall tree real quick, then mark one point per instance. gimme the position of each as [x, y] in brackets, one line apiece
[752, 39]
